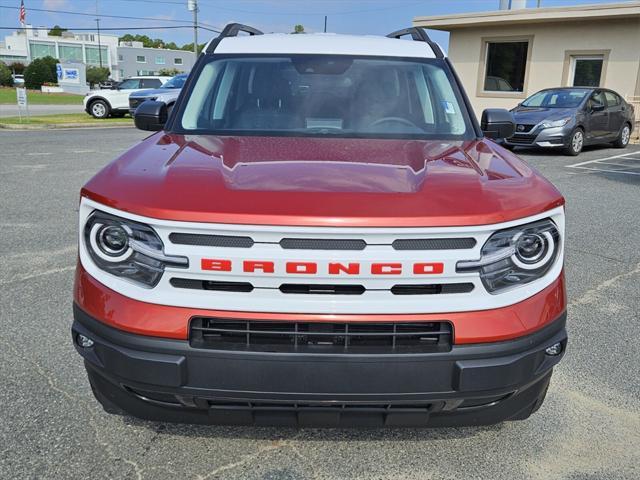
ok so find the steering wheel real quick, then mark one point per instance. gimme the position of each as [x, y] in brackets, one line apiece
[401, 120]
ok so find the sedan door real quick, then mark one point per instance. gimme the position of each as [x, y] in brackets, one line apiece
[616, 108]
[598, 116]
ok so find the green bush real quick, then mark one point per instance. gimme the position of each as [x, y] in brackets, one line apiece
[6, 80]
[96, 75]
[17, 68]
[169, 72]
[40, 71]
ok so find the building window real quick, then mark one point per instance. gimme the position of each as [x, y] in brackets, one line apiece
[177, 61]
[95, 56]
[160, 60]
[506, 66]
[39, 50]
[587, 71]
[70, 53]
[141, 59]
[121, 58]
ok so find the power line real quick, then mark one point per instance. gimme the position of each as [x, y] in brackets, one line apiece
[160, 27]
[66, 12]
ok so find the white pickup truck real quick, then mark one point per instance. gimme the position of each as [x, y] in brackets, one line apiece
[105, 103]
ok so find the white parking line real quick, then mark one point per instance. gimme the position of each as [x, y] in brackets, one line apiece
[597, 164]
[601, 160]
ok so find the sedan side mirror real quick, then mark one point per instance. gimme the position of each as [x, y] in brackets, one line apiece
[151, 116]
[597, 107]
[497, 123]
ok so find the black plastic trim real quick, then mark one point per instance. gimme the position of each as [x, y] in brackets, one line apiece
[418, 34]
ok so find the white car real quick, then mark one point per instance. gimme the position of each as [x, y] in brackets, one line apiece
[115, 103]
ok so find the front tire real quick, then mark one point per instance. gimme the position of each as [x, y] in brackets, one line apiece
[99, 109]
[623, 139]
[575, 143]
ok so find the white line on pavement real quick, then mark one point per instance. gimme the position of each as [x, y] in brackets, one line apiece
[608, 170]
[601, 159]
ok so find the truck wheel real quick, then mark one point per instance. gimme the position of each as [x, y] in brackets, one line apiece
[99, 109]
[575, 143]
[623, 139]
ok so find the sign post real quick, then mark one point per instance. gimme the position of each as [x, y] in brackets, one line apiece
[21, 96]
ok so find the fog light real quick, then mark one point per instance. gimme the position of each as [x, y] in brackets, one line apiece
[84, 341]
[553, 350]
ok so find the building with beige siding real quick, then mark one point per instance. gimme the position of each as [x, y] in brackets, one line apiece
[504, 56]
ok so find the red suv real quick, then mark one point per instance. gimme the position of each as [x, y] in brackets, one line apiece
[321, 234]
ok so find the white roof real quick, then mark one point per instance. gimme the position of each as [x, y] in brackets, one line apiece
[325, 43]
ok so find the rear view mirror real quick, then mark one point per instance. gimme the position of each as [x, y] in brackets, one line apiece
[151, 116]
[497, 123]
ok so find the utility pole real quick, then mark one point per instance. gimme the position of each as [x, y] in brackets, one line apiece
[99, 42]
[192, 6]
[325, 24]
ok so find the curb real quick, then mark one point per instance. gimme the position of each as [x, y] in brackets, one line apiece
[54, 126]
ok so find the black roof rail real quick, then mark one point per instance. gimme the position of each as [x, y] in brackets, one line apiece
[232, 30]
[418, 34]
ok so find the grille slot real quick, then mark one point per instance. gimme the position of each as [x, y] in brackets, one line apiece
[219, 286]
[322, 244]
[522, 139]
[432, 289]
[311, 337]
[434, 244]
[199, 240]
[315, 289]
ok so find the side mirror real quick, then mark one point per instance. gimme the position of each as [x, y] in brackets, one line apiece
[597, 107]
[497, 123]
[151, 116]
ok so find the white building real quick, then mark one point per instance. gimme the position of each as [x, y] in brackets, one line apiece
[30, 43]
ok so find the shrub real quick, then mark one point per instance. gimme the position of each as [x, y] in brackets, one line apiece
[169, 72]
[96, 75]
[6, 80]
[40, 71]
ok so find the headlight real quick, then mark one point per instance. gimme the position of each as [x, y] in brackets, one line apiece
[516, 256]
[128, 249]
[556, 123]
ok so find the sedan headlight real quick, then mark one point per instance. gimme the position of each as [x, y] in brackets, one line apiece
[516, 256]
[556, 123]
[128, 249]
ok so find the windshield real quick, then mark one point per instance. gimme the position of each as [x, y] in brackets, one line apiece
[175, 82]
[319, 95]
[556, 98]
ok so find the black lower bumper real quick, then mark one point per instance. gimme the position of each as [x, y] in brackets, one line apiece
[162, 379]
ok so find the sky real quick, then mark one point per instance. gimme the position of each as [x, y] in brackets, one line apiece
[343, 16]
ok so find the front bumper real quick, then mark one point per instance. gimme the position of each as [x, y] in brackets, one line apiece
[165, 379]
[542, 137]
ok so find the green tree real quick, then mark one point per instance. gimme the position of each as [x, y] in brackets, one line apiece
[6, 80]
[169, 72]
[40, 71]
[298, 29]
[189, 47]
[56, 31]
[96, 75]
[17, 68]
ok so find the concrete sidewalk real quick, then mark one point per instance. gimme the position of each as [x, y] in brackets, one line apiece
[12, 110]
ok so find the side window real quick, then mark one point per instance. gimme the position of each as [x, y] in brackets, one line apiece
[612, 99]
[597, 100]
[150, 83]
[130, 84]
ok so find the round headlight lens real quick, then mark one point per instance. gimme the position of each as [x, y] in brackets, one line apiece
[113, 240]
[531, 247]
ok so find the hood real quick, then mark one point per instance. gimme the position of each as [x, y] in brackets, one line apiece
[535, 115]
[152, 92]
[322, 181]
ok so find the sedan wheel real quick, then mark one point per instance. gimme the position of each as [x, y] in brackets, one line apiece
[623, 139]
[576, 142]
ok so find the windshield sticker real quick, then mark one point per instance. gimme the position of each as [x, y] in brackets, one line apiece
[448, 107]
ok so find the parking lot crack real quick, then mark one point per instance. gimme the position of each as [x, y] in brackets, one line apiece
[591, 295]
[276, 445]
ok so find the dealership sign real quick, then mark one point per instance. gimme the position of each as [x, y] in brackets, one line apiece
[67, 75]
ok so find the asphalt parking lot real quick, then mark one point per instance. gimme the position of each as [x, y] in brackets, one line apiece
[51, 427]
